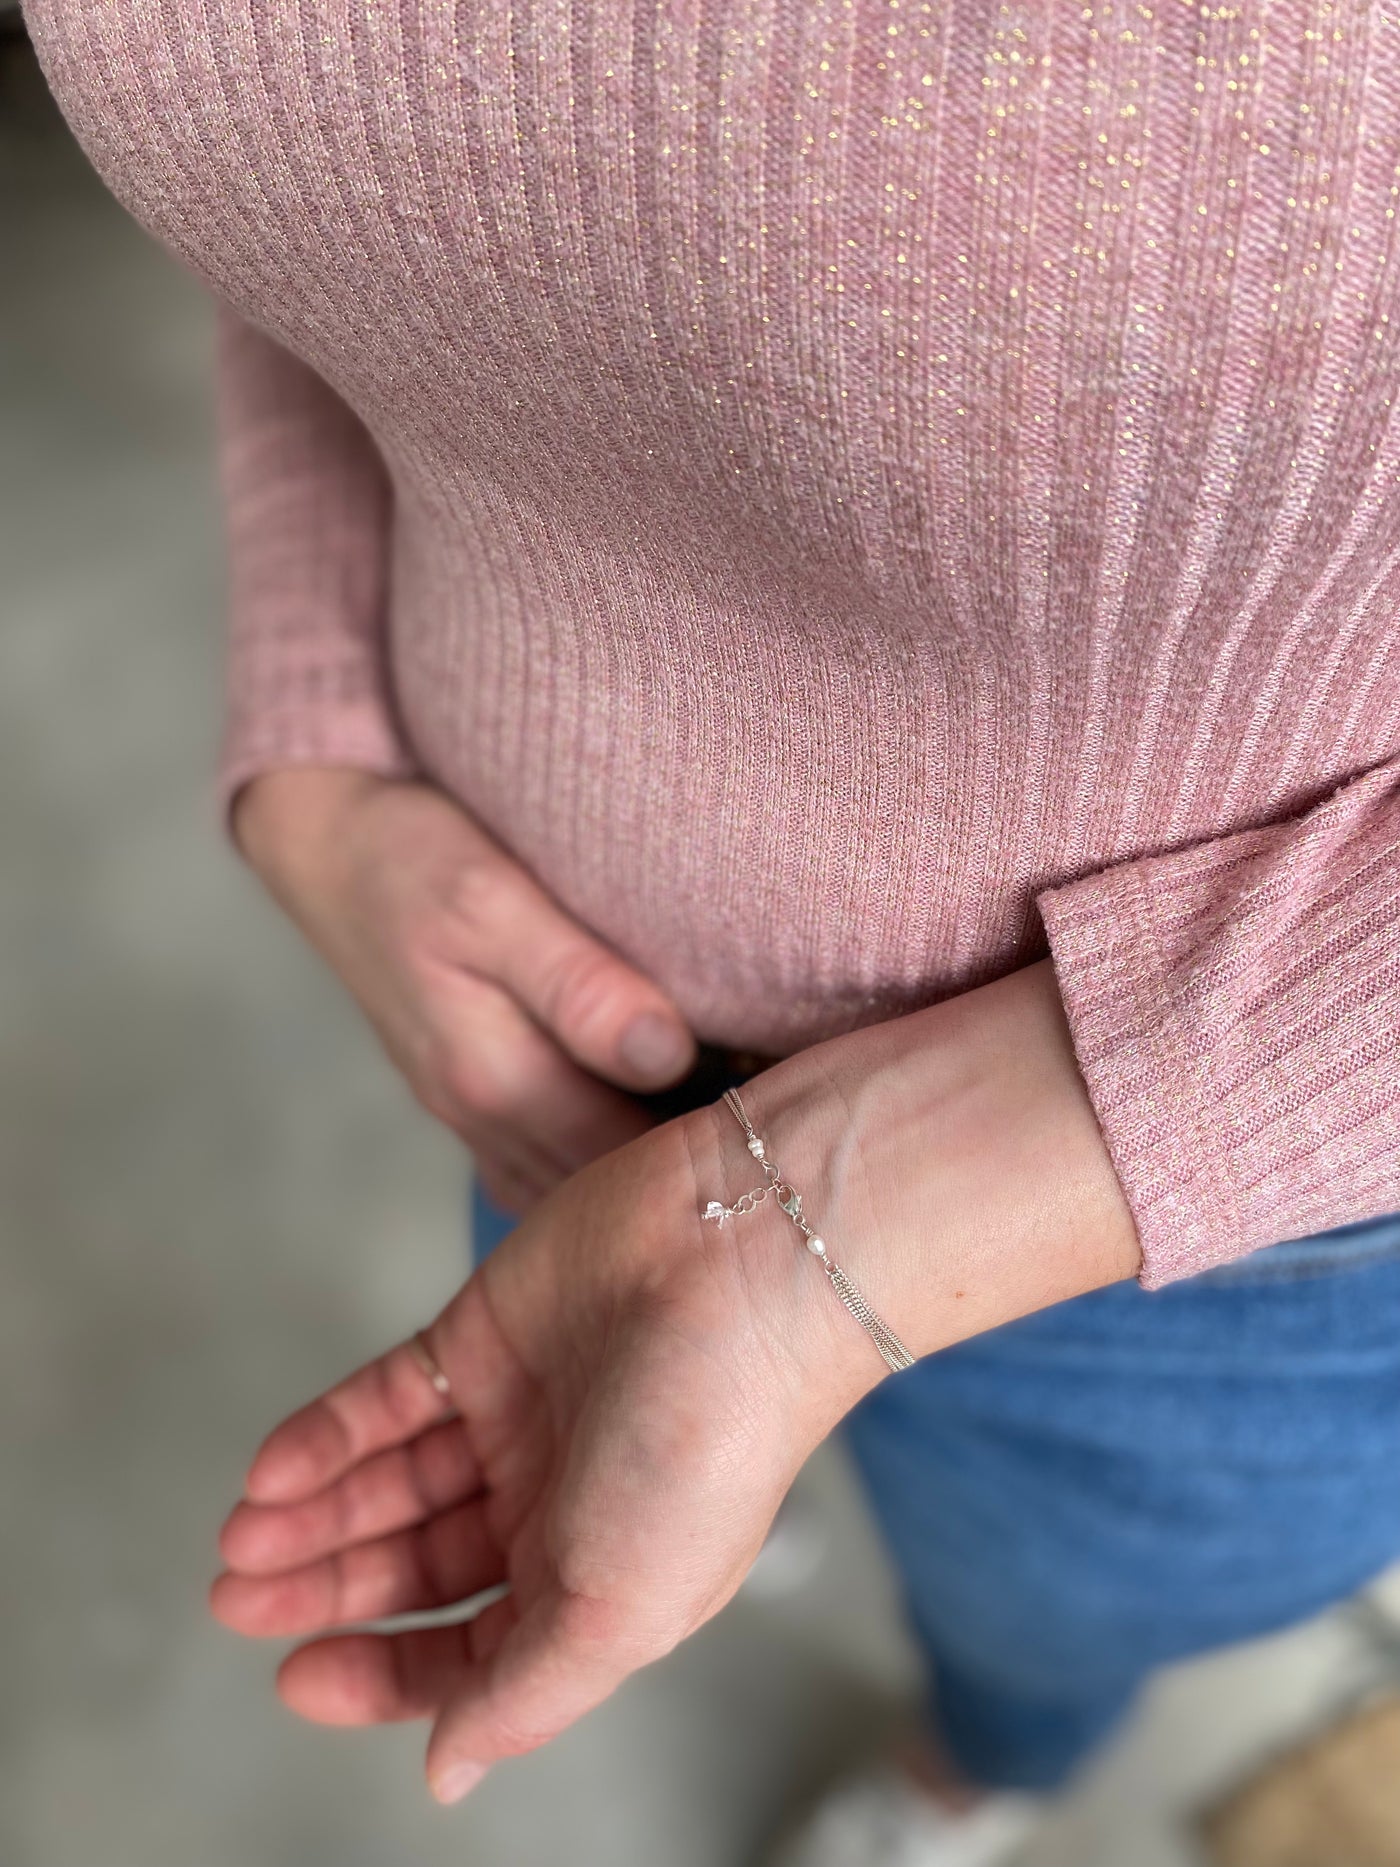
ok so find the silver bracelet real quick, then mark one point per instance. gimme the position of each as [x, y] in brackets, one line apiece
[895, 1354]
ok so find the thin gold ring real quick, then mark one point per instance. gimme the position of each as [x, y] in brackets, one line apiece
[423, 1355]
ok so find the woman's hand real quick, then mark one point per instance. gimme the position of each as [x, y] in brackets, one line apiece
[633, 1388]
[633, 1391]
[501, 1011]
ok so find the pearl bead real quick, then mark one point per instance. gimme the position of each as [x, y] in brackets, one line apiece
[756, 1148]
[817, 1246]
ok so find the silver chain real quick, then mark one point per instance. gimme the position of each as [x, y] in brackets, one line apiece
[895, 1354]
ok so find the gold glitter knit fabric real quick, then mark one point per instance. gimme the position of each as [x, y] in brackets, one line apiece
[854, 492]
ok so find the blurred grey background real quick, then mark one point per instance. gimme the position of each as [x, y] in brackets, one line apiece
[215, 1198]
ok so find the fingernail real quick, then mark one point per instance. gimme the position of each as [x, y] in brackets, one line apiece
[653, 1045]
[454, 1783]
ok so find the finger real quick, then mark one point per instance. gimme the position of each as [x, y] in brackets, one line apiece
[610, 1017]
[389, 1491]
[565, 1654]
[490, 1628]
[509, 1191]
[433, 1565]
[375, 1678]
[478, 1097]
[388, 1401]
[512, 1092]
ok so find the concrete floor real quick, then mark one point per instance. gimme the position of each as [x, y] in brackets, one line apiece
[214, 1198]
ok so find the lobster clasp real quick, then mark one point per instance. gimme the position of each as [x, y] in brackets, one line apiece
[789, 1199]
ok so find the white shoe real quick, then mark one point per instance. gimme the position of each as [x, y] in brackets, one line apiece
[879, 1818]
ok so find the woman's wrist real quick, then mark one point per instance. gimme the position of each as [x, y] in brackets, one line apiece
[815, 1347]
[285, 821]
[951, 1160]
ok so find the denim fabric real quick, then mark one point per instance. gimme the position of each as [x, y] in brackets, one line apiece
[1128, 1478]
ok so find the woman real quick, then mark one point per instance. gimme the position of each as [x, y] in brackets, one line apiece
[863, 533]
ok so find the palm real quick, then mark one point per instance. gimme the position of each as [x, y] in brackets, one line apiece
[614, 1449]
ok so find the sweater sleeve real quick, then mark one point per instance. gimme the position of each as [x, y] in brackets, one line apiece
[307, 515]
[1235, 1010]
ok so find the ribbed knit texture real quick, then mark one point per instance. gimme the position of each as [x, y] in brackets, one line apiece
[845, 491]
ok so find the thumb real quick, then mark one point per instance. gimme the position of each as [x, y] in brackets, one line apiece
[538, 1674]
[608, 1016]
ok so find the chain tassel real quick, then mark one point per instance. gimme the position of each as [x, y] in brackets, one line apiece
[893, 1351]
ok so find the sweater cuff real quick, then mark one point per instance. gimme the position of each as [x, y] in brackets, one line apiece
[1150, 1085]
[357, 735]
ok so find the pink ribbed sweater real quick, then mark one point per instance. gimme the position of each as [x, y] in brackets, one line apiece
[851, 491]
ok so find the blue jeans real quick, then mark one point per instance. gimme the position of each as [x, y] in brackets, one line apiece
[1126, 1479]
